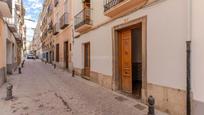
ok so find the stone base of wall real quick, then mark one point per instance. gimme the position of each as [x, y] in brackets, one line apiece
[101, 79]
[78, 71]
[15, 66]
[9, 68]
[62, 65]
[59, 64]
[198, 107]
[172, 101]
[2, 75]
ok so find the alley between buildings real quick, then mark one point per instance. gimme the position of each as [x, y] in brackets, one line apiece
[43, 90]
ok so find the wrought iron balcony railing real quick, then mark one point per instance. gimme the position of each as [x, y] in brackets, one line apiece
[11, 24]
[50, 26]
[64, 20]
[49, 10]
[108, 4]
[56, 29]
[83, 17]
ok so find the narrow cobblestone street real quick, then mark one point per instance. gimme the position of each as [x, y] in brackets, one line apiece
[41, 90]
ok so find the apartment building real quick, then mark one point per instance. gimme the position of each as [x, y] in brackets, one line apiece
[21, 30]
[12, 30]
[24, 52]
[5, 11]
[137, 47]
[46, 37]
[62, 33]
[57, 32]
[36, 42]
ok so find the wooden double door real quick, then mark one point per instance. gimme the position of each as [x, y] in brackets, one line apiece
[125, 60]
[87, 61]
[130, 49]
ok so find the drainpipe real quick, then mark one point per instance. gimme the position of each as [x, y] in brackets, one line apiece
[188, 58]
[188, 78]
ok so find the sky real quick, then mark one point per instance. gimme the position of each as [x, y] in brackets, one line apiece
[33, 9]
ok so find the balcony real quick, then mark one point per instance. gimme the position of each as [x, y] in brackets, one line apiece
[44, 35]
[56, 2]
[18, 36]
[64, 20]
[11, 24]
[6, 8]
[18, 6]
[113, 8]
[56, 29]
[49, 10]
[83, 20]
[44, 23]
[50, 27]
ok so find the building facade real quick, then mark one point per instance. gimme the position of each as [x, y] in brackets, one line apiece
[5, 12]
[134, 46]
[46, 36]
[12, 30]
[137, 47]
[36, 42]
[62, 33]
[197, 64]
[56, 34]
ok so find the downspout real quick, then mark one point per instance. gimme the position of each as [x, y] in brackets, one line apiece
[188, 57]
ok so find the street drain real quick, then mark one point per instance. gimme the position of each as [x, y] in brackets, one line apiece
[120, 98]
[140, 107]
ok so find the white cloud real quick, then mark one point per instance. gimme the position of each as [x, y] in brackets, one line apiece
[36, 4]
[31, 0]
[30, 26]
[28, 17]
[32, 9]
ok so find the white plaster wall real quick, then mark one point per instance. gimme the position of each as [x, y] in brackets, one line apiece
[166, 35]
[77, 6]
[97, 13]
[198, 49]
[101, 50]
[97, 10]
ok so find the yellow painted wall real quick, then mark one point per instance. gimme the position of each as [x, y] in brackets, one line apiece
[62, 37]
[2, 51]
[66, 33]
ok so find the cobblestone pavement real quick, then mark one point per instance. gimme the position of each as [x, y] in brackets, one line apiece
[41, 90]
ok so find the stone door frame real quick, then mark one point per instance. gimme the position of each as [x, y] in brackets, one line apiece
[115, 46]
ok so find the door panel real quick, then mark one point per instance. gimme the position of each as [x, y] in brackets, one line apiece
[126, 61]
[87, 59]
[66, 55]
[57, 53]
